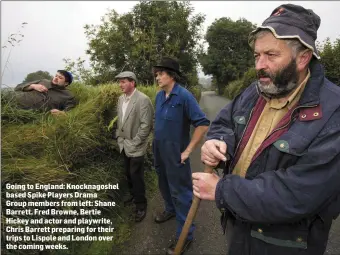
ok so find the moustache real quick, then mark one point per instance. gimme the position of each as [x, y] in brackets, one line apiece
[262, 74]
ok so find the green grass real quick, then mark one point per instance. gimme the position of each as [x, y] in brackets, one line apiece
[76, 148]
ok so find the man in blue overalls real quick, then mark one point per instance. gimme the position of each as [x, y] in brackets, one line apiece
[176, 110]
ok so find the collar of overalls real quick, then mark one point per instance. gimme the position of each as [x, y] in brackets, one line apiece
[174, 91]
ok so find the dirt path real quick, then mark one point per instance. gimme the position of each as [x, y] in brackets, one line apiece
[151, 238]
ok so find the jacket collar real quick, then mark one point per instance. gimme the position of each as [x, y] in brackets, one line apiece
[130, 96]
[175, 89]
[311, 94]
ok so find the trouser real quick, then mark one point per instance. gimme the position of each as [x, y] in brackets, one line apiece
[175, 181]
[134, 171]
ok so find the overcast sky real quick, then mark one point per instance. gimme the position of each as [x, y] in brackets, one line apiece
[55, 29]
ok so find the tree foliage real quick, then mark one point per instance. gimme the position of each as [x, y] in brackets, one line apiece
[79, 71]
[330, 58]
[228, 55]
[38, 75]
[138, 39]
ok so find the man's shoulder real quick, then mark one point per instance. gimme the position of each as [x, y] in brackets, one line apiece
[250, 90]
[140, 94]
[44, 82]
[247, 96]
[331, 87]
[142, 97]
[329, 93]
[184, 93]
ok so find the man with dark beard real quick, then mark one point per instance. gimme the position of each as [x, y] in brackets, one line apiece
[280, 191]
[47, 95]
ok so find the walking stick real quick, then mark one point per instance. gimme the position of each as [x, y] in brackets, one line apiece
[190, 217]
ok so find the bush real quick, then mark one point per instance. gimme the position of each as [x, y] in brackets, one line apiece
[196, 91]
[233, 88]
[249, 77]
[236, 87]
[150, 91]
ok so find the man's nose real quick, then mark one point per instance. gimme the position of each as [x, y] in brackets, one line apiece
[261, 63]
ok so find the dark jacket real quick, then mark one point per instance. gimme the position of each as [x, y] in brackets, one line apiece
[291, 192]
[57, 97]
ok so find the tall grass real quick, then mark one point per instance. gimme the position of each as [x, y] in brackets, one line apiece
[74, 148]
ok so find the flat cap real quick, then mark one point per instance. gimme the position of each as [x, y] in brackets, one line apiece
[127, 74]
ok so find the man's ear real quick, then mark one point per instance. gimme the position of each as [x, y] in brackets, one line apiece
[303, 59]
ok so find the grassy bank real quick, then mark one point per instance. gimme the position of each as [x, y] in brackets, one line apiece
[76, 148]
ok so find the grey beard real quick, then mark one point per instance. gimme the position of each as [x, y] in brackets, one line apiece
[272, 91]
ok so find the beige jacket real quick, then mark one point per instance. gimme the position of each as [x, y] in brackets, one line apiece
[133, 131]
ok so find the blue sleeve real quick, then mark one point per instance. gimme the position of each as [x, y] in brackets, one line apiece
[222, 128]
[291, 194]
[195, 114]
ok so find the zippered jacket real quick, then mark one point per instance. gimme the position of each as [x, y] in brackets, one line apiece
[291, 191]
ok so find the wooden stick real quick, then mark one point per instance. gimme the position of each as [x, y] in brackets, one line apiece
[190, 217]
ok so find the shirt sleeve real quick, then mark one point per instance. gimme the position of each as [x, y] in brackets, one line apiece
[23, 86]
[195, 114]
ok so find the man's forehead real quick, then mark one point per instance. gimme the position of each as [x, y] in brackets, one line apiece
[269, 42]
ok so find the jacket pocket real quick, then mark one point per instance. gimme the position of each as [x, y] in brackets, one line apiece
[129, 146]
[289, 236]
[240, 119]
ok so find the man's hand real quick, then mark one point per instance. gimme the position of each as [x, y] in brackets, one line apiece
[38, 87]
[57, 112]
[204, 185]
[213, 151]
[184, 155]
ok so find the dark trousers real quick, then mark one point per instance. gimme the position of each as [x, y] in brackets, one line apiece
[134, 171]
